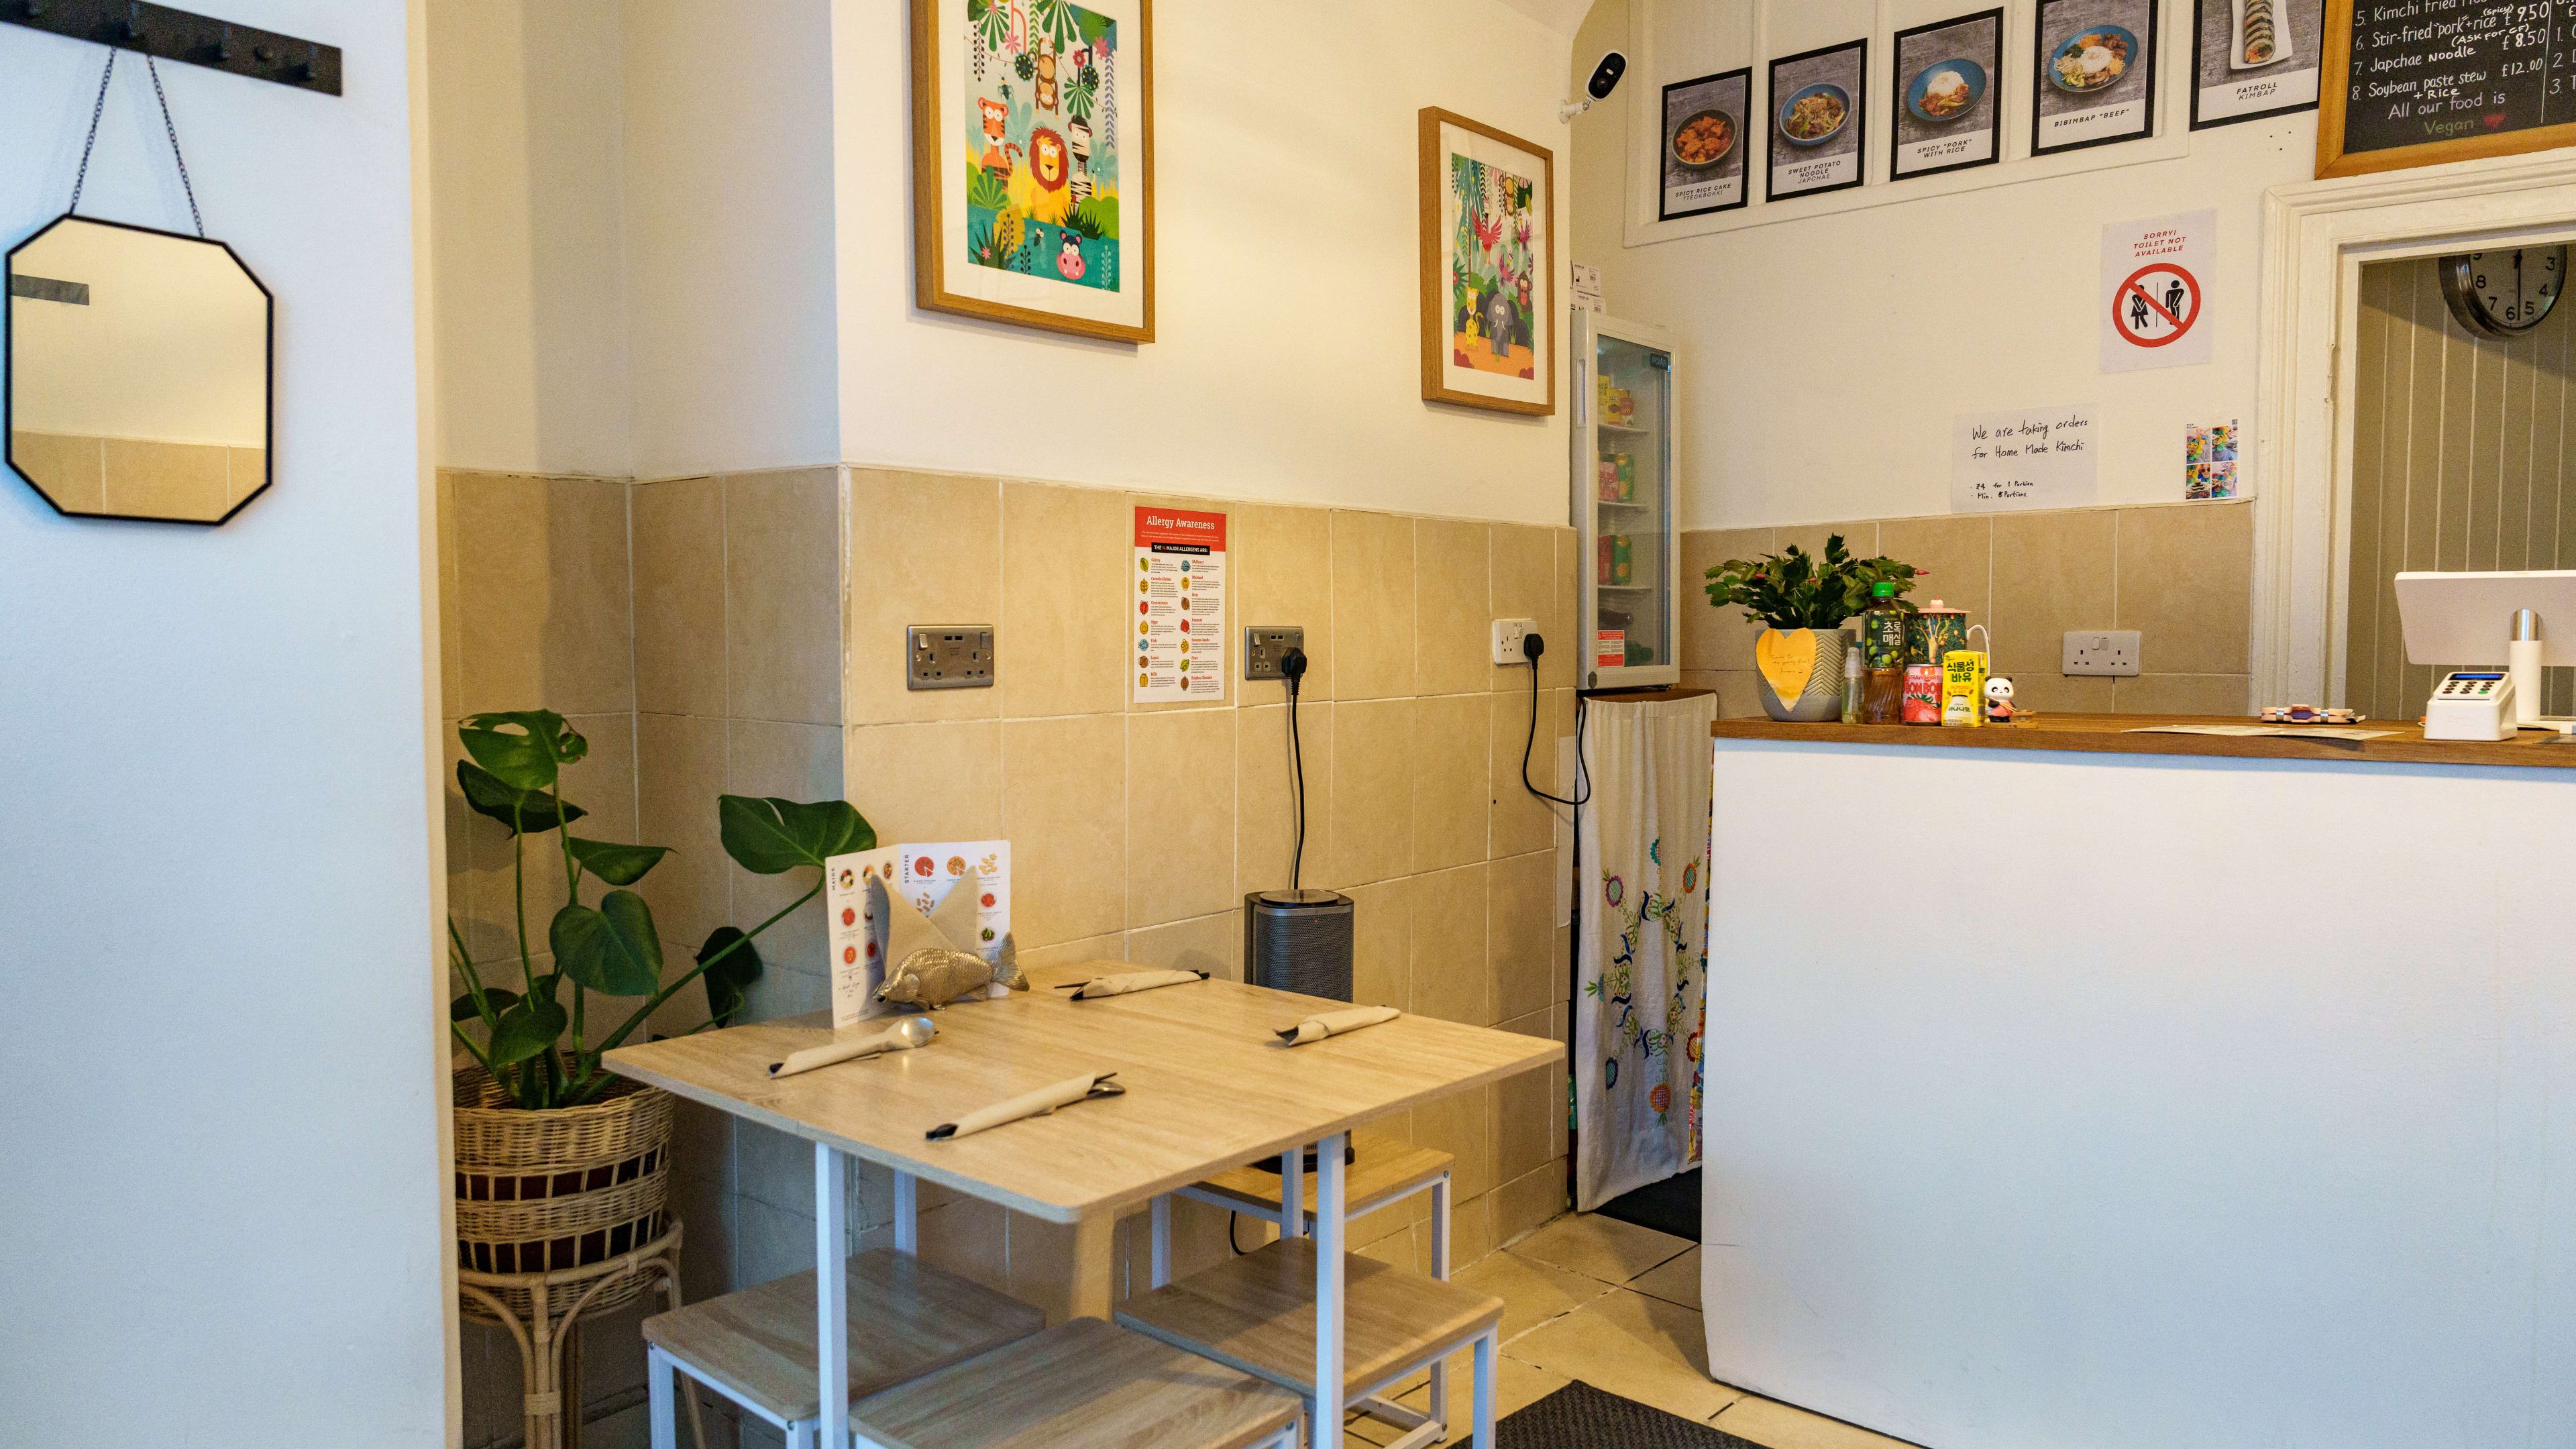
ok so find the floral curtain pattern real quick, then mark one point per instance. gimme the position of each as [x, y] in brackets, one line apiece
[1642, 945]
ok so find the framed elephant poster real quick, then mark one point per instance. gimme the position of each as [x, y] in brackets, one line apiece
[1489, 312]
[1033, 163]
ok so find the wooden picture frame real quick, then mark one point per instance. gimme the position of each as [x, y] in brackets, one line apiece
[1051, 223]
[1504, 278]
[2336, 90]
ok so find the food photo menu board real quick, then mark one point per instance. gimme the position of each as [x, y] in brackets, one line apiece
[2420, 82]
[2255, 58]
[1703, 145]
[2096, 74]
[1818, 104]
[1946, 103]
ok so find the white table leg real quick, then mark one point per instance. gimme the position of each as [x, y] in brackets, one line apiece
[1329, 1201]
[1440, 1269]
[1292, 1193]
[1162, 1270]
[660, 1400]
[907, 1213]
[1485, 1387]
[832, 1291]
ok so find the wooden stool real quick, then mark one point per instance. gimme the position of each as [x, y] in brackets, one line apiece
[1257, 1313]
[1083, 1385]
[758, 1347]
[1382, 1170]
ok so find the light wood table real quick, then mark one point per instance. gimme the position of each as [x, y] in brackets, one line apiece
[1209, 1087]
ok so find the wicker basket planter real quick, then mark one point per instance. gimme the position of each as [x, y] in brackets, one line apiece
[546, 1191]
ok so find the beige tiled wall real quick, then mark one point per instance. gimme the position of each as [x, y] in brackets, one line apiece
[743, 634]
[137, 477]
[2180, 574]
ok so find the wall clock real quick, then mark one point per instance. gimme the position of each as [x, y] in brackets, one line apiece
[2504, 294]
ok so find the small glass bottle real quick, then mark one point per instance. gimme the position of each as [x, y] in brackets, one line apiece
[1882, 647]
[1851, 684]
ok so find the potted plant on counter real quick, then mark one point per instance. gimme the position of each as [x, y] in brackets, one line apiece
[1803, 601]
[561, 1163]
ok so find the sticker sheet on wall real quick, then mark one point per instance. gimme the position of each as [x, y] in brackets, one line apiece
[1033, 162]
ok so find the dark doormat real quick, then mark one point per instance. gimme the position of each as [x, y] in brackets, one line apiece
[1670, 1206]
[1580, 1416]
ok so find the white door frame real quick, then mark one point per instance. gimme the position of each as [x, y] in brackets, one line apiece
[2316, 237]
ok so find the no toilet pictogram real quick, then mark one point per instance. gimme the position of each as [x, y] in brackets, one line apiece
[2156, 306]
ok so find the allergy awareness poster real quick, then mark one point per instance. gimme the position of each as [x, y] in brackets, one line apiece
[1180, 605]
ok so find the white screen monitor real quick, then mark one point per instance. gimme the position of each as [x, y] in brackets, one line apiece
[2465, 620]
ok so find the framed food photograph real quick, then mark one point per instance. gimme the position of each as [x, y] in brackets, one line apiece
[2096, 74]
[1033, 163]
[1819, 111]
[1948, 111]
[2255, 58]
[1488, 267]
[1703, 145]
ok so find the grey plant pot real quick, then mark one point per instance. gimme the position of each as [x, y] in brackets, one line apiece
[1809, 666]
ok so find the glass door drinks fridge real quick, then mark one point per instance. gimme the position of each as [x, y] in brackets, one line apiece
[1628, 627]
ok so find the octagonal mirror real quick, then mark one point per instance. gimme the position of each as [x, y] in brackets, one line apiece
[138, 373]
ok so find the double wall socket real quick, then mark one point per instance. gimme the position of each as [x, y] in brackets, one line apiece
[948, 656]
[1265, 644]
[1508, 634]
[2101, 651]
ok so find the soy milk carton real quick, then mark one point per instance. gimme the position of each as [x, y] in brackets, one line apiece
[1963, 687]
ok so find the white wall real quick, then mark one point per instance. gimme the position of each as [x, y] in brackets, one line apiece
[223, 1169]
[1818, 387]
[527, 120]
[729, 215]
[1287, 360]
[2131, 1137]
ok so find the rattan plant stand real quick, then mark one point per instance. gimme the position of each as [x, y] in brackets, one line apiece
[549, 1358]
[561, 1215]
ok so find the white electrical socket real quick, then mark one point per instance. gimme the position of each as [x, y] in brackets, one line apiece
[1508, 634]
[2101, 651]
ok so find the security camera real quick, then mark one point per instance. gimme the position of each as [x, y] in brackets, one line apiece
[1605, 79]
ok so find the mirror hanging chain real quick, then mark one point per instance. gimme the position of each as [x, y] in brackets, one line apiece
[171, 127]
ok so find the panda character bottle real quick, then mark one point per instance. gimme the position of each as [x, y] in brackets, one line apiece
[1999, 697]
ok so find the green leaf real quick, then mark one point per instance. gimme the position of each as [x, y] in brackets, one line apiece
[770, 836]
[462, 1008]
[619, 865]
[531, 759]
[613, 949]
[537, 811]
[728, 980]
[528, 1029]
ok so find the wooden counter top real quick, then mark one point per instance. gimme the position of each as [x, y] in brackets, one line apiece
[2107, 734]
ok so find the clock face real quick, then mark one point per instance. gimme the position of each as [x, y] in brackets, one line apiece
[2504, 294]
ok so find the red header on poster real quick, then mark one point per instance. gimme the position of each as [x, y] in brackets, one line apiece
[1159, 527]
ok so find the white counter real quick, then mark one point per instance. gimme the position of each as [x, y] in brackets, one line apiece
[2065, 1100]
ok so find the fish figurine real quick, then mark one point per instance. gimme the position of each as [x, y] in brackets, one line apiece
[935, 976]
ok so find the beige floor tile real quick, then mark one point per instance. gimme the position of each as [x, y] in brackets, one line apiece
[1637, 1347]
[1516, 1386]
[1599, 1247]
[1785, 1426]
[1533, 1293]
[1674, 1282]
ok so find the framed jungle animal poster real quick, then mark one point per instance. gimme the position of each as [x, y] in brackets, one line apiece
[1033, 163]
[1488, 267]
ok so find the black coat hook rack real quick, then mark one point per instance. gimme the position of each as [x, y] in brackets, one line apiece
[167, 34]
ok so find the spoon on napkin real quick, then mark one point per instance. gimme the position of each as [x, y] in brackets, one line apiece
[904, 1035]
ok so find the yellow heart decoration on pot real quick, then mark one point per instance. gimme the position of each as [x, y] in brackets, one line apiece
[1787, 658]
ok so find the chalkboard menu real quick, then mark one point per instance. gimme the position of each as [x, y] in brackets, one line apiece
[2419, 82]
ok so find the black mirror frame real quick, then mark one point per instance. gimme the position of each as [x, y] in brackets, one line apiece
[9, 369]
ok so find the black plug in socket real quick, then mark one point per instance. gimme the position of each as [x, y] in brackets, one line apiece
[1532, 646]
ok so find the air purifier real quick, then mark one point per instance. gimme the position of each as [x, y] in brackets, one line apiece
[1299, 941]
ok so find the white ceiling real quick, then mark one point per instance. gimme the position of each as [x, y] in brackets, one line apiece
[1562, 16]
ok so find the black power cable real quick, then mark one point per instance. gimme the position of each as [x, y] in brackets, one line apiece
[1532, 646]
[1292, 667]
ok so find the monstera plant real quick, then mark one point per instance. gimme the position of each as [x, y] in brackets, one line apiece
[535, 1042]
